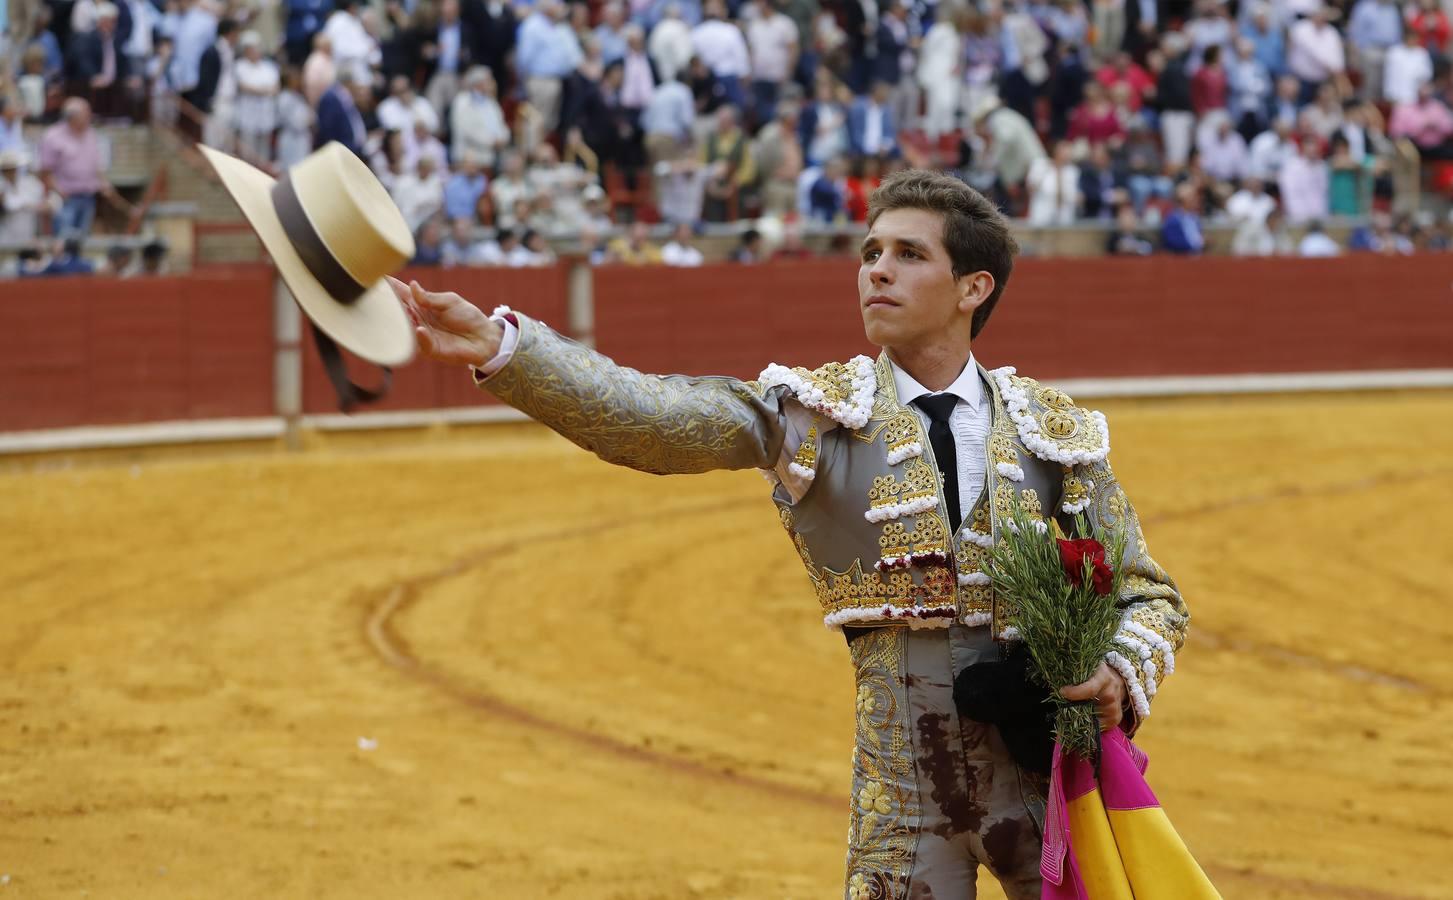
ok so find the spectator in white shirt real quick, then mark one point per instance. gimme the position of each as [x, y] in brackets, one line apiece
[1315, 52]
[419, 194]
[509, 187]
[772, 37]
[670, 44]
[353, 47]
[1269, 150]
[1223, 149]
[1054, 188]
[1409, 66]
[1317, 243]
[1250, 210]
[722, 47]
[23, 197]
[680, 252]
[403, 106]
[476, 120]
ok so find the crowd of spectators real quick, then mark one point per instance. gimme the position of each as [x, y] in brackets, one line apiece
[540, 120]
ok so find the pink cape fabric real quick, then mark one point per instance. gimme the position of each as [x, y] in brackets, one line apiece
[1108, 839]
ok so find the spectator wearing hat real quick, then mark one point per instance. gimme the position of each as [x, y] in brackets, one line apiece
[258, 84]
[23, 199]
[71, 164]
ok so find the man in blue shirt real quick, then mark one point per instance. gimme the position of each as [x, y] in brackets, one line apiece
[1181, 232]
[1375, 27]
[547, 53]
[463, 190]
[305, 19]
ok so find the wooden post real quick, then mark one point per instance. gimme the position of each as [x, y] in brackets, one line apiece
[287, 363]
[580, 299]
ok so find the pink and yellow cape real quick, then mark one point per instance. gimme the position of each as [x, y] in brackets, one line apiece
[1108, 839]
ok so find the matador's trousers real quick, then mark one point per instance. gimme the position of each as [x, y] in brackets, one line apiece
[935, 795]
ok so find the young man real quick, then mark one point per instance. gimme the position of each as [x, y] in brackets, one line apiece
[891, 477]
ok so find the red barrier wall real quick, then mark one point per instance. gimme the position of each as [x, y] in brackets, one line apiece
[88, 351]
[1058, 318]
[93, 351]
[428, 385]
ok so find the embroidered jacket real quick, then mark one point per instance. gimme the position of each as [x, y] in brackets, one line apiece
[871, 524]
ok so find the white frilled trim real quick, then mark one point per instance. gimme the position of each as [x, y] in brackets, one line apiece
[974, 620]
[801, 471]
[982, 540]
[1016, 400]
[851, 413]
[895, 510]
[1138, 700]
[1073, 508]
[1134, 645]
[501, 310]
[1009, 633]
[915, 616]
[1154, 639]
[907, 451]
[1148, 668]
[1010, 471]
[1041, 526]
[974, 578]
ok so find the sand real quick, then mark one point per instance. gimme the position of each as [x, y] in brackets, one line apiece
[481, 663]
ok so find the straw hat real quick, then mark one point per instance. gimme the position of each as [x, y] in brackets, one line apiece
[334, 234]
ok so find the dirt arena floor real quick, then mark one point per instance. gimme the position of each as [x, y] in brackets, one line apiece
[480, 663]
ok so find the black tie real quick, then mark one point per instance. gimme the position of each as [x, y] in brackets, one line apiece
[939, 407]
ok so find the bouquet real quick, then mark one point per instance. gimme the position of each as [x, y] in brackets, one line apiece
[1064, 597]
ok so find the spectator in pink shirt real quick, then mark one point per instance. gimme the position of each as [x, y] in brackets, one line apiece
[1427, 123]
[1096, 120]
[71, 165]
[1305, 184]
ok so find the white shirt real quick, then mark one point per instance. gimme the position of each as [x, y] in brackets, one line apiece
[1318, 244]
[670, 47]
[773, 38]
[396, 115]
[1405, 70]
[1314, 54]
[352, 44]
[722, 47]
[418, 198]
[674, 254]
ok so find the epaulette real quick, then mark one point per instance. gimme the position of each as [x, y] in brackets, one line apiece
[1050, 425]
[841, 391]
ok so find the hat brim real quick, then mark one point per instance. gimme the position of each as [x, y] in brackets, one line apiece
[374, 327]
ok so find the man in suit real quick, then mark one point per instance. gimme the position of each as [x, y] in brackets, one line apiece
[338, 116]
[872, 130]
[892, 478]
[98, 66]
[214, 66]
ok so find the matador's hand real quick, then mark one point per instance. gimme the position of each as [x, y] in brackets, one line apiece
[449, 328]
[1107, 688]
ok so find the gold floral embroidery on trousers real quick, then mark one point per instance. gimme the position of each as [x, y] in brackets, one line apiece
[884, 812]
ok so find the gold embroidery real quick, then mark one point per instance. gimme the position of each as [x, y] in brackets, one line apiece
[1004, 501]
[869, 591]
[1029, 499]
[1055, 398]
[806, 456]
[663, 424]
[1001, 448]
[1059, 425]
[1073, 491]
[930, 536]
[919, 481]
[903, 430]
[884, 815]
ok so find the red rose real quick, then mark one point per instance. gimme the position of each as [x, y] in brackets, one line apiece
[1074, 553]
